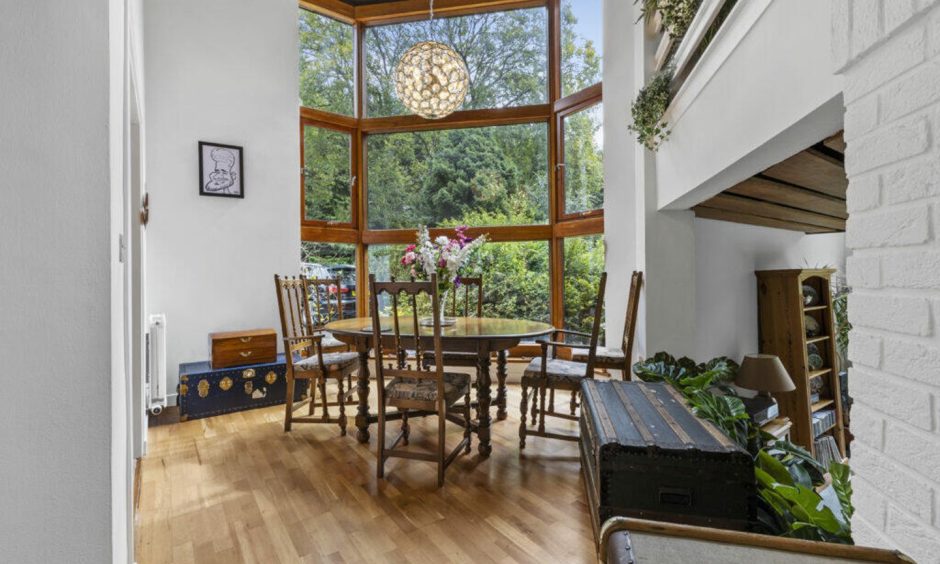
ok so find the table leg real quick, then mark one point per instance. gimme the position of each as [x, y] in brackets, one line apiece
[483, 397]
[501, 374]
[362, 387]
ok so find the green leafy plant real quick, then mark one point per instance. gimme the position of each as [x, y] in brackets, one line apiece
[787, 474]
[649, 108]
[677, 14]
[840, 310]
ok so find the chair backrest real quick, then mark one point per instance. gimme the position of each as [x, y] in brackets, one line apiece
[596, 326]
[633, 305]
[325, 297]
[292, 303]
[468, 287]
[409, 292]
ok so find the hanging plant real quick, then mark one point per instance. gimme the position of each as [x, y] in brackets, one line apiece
[648, 110]
[677, 14]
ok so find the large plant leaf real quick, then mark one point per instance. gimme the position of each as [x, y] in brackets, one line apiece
[842, 484]
[774, 468]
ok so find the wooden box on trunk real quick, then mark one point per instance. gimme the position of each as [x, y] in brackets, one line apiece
[645, 454]
[242, 348]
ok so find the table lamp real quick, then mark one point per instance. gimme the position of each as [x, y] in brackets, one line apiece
[765, 374]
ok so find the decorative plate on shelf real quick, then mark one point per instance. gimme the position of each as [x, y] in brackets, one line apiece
[815, 359]
[810, 296]
[812, 326]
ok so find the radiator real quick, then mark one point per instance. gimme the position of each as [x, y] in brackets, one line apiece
[156, 364]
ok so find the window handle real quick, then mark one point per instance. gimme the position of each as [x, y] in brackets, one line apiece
[352, 181]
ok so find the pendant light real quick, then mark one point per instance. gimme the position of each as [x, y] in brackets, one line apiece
[431, 79]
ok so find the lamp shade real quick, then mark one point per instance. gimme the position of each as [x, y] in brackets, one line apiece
[764, 373]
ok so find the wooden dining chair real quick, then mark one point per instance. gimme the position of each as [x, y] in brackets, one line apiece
[552, 373]
[423, 390]
[470, 287]
[611, 358]
[305, 356]
[326, 305]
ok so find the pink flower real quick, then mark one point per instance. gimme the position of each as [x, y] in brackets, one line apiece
[410, 248]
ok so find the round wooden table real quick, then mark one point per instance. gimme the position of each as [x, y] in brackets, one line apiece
[480, 335]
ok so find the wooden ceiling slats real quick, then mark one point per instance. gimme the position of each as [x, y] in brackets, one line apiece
[784, 194]
[836, 143]
[734, 217]
[748, 206]
[812, 170]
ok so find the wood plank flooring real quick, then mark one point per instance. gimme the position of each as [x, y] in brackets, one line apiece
[236, 488]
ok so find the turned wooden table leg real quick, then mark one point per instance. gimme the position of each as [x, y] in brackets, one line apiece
[501, 374]
[362, 388]
[483, 397]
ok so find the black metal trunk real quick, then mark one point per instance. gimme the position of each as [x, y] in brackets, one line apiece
[644, 454]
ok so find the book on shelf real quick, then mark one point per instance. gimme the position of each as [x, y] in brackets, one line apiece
[823, 420]
[827, 450]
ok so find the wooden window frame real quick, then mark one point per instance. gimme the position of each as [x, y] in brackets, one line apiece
[559, 226]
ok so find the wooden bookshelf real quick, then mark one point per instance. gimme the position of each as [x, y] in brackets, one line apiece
[783, 319]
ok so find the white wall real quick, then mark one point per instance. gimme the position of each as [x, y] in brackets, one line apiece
[726, 256]
[223, 71]
[767, 72]
[620, 224]
[55, 264]
[889, 53]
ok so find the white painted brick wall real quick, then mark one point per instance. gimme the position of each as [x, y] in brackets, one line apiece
[889, 54]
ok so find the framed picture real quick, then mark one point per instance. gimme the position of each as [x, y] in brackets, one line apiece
[221, 171]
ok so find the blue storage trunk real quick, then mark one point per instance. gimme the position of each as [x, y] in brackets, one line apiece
[204, 392]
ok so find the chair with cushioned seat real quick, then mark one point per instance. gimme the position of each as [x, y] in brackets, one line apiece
[425, 390]
[610, 358]
[470, 287]
[306, 357]
[326, 305]
[552, 373]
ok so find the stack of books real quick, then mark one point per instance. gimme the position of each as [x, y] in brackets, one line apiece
[827, 451]
[823, 421]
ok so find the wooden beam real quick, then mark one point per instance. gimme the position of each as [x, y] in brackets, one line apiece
[747, 219]
[327, 234]
[779, 193]
[404, 10]
[496, 234]
[328, 120]
[812, 170]
[738, 204]
[457, 120]
[593, 225]
[836, 142]
[336, 9]
[579, 100]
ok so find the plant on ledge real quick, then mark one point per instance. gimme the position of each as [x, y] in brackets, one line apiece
[787, 475]
[677, 14]
[648, 110]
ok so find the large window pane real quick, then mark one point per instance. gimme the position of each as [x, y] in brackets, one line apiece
[515, 276]
[480, 176]
[584, 263]
[506, 55]
[332, 260]
[582, 44]
[327, 175]
[584, 160]
[326, 63]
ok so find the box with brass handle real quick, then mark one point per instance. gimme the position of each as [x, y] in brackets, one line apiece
[240, 348]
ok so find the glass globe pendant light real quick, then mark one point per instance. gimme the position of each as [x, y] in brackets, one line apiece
[431, 79]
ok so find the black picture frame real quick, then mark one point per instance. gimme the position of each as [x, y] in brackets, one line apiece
[225, 161]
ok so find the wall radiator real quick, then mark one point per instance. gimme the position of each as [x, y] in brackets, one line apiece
[156, 364]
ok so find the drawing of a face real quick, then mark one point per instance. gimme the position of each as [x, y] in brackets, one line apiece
[223, 178]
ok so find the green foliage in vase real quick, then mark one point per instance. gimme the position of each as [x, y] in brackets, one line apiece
[648, 110]
[787, 475]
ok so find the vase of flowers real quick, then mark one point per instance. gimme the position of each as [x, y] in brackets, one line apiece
[443, 256]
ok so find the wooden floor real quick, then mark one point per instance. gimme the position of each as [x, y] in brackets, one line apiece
[236, 488]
